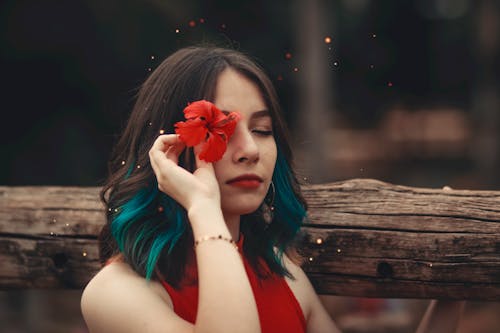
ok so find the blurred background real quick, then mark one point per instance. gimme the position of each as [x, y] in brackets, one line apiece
[404, 91]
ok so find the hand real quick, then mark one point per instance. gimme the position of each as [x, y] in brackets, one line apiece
[188, 189]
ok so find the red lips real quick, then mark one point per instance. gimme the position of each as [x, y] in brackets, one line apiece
[249, 181]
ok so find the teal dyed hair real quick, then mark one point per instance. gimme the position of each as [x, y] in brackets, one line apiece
[289, 210]
[143, 233]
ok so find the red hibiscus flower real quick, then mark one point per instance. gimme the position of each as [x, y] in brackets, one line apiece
[208, 125]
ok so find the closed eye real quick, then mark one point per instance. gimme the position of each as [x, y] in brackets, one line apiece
[263, 132]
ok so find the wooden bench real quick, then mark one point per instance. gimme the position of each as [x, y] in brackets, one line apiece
[364, 238]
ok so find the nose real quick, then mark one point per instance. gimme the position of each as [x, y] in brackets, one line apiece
[245, 149]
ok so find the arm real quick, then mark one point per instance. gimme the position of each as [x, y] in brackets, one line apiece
[225, 296]
[118, 300]
[441, 317]
[318, 319]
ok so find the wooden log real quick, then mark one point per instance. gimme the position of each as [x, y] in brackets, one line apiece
[48, 236]
[362, 238]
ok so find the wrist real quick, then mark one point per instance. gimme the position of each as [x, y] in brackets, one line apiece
[207, 220]
[200, 210]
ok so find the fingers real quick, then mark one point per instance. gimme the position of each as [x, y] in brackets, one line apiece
[177, 182]
[171, 178]
[165, 141]
[165, 151]
[168, 145]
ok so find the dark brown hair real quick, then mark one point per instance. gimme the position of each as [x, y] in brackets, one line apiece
[187, 75]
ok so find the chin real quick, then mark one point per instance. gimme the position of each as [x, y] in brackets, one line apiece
[241, 208]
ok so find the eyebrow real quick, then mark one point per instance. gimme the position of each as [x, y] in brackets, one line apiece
[257, 114]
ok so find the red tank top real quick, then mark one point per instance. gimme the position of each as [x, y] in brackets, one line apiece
[279, 310]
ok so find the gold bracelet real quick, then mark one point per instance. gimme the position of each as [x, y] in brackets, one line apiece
[218, 237]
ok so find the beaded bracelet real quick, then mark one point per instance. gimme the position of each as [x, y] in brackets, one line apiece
[219, 237]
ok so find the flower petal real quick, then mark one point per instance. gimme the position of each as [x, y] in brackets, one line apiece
[213, 149]
[202, 109]
[191, 132]
[227, 124]
[208, 125]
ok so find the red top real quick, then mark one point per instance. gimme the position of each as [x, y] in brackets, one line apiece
[279, 310]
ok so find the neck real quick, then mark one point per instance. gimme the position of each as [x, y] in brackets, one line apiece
[233, 225]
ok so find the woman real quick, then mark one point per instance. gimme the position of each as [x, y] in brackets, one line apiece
[195, 244]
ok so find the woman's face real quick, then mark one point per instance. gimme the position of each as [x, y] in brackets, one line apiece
[245, 171]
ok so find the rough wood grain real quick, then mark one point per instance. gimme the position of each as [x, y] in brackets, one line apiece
[363, 238]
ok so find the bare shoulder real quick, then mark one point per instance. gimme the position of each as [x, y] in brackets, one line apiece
[317, 318]
[119, 279]
[300, 286]
[119, 300]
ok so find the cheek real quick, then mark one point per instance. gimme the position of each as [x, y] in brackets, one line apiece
[219, 169]
[269, 156]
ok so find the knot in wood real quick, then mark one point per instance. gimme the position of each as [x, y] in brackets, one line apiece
[60, 259]
[384, 270]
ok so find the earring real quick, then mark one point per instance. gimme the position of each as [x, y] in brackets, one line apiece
[267, 205]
